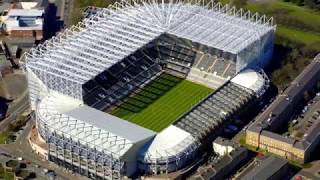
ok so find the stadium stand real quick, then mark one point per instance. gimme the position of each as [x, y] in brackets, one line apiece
[201, 121]
[215, 109]
[119, 80]
[116, 51]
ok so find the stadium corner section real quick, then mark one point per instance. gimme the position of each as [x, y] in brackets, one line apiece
[82, 138]
[126, 146]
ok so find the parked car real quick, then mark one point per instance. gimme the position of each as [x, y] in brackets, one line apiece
[232, 128]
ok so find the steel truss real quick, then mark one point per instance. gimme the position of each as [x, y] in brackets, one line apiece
[80, 146]
[77, 54]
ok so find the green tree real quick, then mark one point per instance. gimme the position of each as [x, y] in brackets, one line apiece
[314, 4]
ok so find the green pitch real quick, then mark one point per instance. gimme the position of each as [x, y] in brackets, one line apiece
[161, 102]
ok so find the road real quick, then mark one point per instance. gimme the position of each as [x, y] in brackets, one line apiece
[16, 107]
[66, 11]
[22, 148]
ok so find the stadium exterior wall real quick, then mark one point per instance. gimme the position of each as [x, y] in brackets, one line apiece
[85, 160]
[175, 157]
[257, 54]
[131, 157]
[36, 88]
[47, 75]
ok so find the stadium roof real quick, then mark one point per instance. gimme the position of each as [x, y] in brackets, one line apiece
[113, 124]
[170, 142]
[249, 79]
[83, 51]
[94, 128]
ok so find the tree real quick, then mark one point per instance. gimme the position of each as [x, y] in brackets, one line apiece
[239, 3]
[314, 4]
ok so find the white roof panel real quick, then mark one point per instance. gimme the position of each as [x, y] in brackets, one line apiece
[25, 12]
[70, 118]
[116, 32]
[170, 142]
[110, 123]
[250, 79]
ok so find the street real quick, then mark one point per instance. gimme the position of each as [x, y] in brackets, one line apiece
[22, 148]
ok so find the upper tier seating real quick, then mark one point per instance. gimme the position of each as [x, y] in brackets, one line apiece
[215, 109]
[119, 80]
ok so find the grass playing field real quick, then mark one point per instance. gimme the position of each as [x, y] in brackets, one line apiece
[161, 102]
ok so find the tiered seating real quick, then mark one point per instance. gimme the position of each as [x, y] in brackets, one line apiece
[231, 71]
[165, 51]
[211, 64]
[211, 70]
[180, 54]
[219, 67]
[177, 58]
[215, 109]
[119, 80]
[206, 62]
[151, 53]
[198, 58]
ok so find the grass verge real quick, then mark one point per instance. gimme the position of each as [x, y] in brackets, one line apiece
[80, 5]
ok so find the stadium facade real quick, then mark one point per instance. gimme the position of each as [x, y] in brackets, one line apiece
[90, 67]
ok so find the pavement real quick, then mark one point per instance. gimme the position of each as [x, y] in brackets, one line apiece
[22, 148]
[13, 85]
[66, 7]
[20, 103]
[312, 172]
[309, 118]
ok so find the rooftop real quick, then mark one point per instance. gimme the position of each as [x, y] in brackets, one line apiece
[284, 104]
[113, 33]
[26, 12]
[220, 167]
[89, 126]
[249, 79]
[113, 124]
[265, 168]
[225, 142]
[284, 101]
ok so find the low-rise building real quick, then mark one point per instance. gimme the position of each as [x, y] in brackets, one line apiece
[262, 133]
[24, 19]
[267, 168]
[230, 155]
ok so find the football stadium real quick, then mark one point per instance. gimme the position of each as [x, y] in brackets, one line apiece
[138, 87]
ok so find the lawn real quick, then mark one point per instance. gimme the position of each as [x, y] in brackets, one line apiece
[298, 36]
[5, 175]
[98, 3]
[298, 24]
[80, 5]
[4, 137]
[288, 14]
[161, 102]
